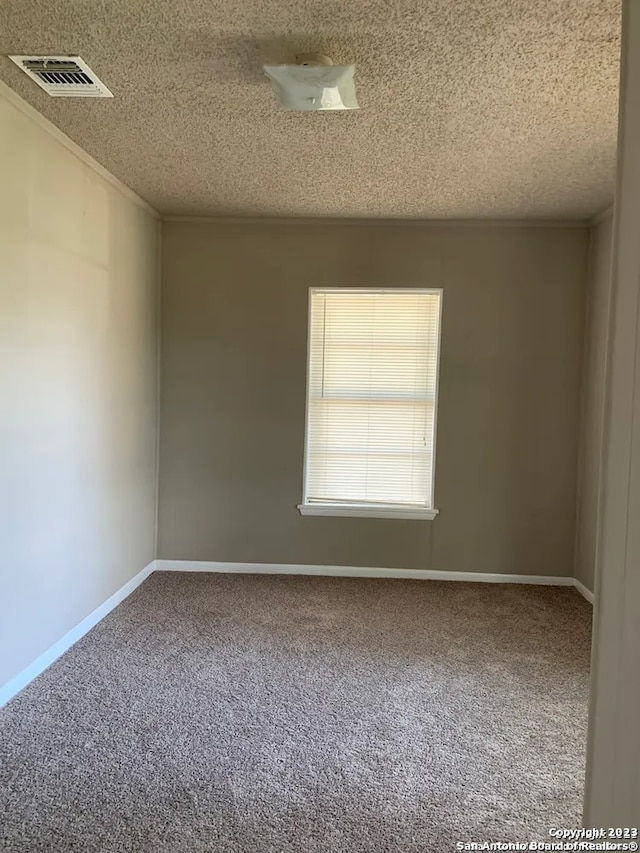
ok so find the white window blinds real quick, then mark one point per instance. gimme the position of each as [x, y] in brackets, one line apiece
[371, 410]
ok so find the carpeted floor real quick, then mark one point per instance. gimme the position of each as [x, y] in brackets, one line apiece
[262, 713]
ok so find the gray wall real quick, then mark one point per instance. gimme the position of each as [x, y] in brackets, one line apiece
[234, 323]
[596, 339]
[78, 388]
[612, 784]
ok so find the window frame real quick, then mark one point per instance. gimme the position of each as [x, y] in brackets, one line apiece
[365, 509]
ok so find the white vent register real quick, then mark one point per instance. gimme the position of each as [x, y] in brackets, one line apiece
[63, 76]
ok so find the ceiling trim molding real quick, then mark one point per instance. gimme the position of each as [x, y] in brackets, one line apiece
[602, 216]
[420, 223]
[20, 104]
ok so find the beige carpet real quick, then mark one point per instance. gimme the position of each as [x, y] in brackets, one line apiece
[269, 713]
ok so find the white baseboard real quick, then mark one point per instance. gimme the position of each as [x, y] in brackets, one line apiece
[354, 572]
[584, 592]
[15, 685]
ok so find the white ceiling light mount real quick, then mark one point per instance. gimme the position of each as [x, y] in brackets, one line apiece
[313, 84]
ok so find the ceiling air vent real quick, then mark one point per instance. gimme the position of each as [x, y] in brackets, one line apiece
[63, 76]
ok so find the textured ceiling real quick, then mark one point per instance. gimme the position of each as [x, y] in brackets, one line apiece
[469, 108]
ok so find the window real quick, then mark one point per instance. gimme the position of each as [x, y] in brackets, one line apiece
[372, 386]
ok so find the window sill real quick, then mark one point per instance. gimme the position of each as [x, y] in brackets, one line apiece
[366, 511]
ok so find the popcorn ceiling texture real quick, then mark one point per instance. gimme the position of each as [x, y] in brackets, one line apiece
[469, 108]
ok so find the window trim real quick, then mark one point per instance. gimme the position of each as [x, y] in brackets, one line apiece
[426, 512]
[367, 510]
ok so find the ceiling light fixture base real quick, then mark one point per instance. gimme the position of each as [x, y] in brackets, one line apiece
[313, 59]
[313, 84]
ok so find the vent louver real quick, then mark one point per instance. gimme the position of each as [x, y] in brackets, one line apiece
[63, 76]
